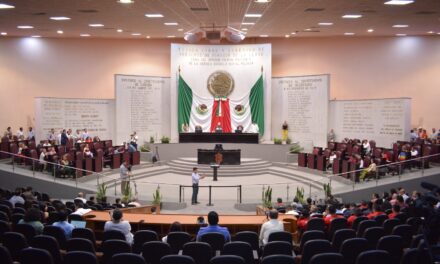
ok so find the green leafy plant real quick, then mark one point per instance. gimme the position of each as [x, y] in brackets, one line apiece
[157, 196]
[101, 194]
[277, 141]
[327, 190]
[300, 194]
[127, 194]
[267, 197]
[151, 139]
[296, 149]
[145, 148]
[165, 140]
[288, 141]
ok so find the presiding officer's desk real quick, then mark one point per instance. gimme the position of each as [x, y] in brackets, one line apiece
[161, 222]
[219, 138]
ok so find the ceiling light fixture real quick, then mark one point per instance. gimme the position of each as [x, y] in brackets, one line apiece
[400, 26]
[352, 16]
[264, 36]
[36, 36]
[214, 34]
[325, 23]
[293, 33]
[84, 35]
[248, 23]
[6, 6]
[96, 25]
[262, 1]
[399, 2]
[244, 29]
[60, 32]
[125, 1]
[147, 37]
[25, 27]
[308, 29]
[4, 33]
[252, 15]
[153, 15]
[171, 23]
[60, 18]
[180, 29]
[370, 30]
[119, 30]
[135, 34]
[348, 33]
[401, 35]
[171, 36]
[430, 32]
[287, 36]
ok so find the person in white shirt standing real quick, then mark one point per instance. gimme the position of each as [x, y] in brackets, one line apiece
[31, 134]
[273, 225]
[195, 185]
[20, 134]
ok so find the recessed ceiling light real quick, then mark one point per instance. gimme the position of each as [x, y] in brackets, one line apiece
[125, 1]
[25, 27]
[96, 25]
[438, 33]
[119, 30]
[60, 32]
[430, 32]
[308, 29]
[244, 29]
[400, 26]
[348, 33]
[4, 33]
[171, 36]
[248, 23]
[399, 2]
[252, 15]
[287, 36]
[36, 36]
[60, 18]
[153, 15]
[293, 33]
[135, 34]
[400, 35]
[370, 30]
[6, 6]
[264, 36]
[180, 29]
[171, 23]
[147, 37]
[325, 23]
[84, 35]
[352, 16]
[262, 1]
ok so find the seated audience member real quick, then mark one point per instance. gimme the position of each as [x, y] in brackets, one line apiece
[8, 133]
[134, 202]
[69, 133]
[198, 129]
[174, 227]
[85, 134]
[64, 224]
[273, 225]
[28, 194]
[81, 197]
[330, 215]
[377, 210]
[395, 210]
[413, 135]
[46, 143]
[297, 204]
[403, 194]
[331, 159]
[218, 128]
[20, 134]
[355, 214]
[33, 217]
[414, 155]
[434, 134]
[303, 220]
[369, 172]
[120, 225]
[77, 136]
[214, 227]
[51, 137]
[239, 129]
[87, 153]
[291, 210]
[366, 148]
[279, 203]
[134, 139]
[96, 139]
[31, 134]
[131, 148]
[88, 140]
[16, 198]
[65, 168]
[424, 134]
[79, 208]
[51, 151]
[118, 203]
[185, 128]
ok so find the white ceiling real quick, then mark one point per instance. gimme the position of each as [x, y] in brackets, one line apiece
[279, 17]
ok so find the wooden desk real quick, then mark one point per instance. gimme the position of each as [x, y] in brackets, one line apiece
[161, 222]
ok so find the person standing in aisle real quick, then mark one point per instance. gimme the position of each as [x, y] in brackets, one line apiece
[195, 185]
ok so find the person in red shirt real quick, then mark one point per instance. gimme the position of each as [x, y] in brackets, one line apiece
[395, 211]
[303, 220]
[330, 215]
[377, 210]
[356, 213]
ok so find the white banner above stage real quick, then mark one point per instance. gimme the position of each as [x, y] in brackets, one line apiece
[139, 107]
[243, 64]
[303, 103]
[96, 115]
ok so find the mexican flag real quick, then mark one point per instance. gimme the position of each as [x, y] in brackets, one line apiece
[195, 110]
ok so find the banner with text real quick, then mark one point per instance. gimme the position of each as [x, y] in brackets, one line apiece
[96, 115]
[382, 120]
[139, 107]
[303, 104]
[220, 84]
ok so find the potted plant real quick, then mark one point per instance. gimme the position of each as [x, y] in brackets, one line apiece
[127, 194]
[267, 197]
[101, 194]
[145, 148]
[277, 141]
[288, 141]
[327, 190]
[292, 155]
[300, 194]
[157, 199]
[151, 140]
[165, 140]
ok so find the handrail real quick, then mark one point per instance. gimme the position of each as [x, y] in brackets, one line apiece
[52, 163]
